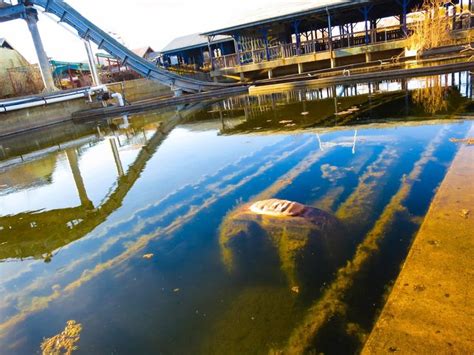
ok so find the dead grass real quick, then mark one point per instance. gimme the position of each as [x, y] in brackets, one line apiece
[432, 28]
[64, 342]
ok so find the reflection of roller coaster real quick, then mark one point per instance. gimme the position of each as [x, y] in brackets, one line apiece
[37, 235]
[90, 32]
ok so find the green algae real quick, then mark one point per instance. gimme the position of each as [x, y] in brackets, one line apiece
[64, 342]
[321, 238]
[257, 319]
[331, 303]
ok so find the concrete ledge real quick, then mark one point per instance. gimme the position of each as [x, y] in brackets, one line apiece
[430, 309]
[157, 103]
[42, 116]
[378, 75]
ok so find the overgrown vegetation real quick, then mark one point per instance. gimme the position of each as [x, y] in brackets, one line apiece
[64, 342]
[431, 27]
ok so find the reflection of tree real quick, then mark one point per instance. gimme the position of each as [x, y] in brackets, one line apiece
[433, 97]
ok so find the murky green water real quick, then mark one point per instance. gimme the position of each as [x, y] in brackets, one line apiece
[117, 225]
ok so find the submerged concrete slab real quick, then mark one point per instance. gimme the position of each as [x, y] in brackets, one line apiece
[430, 309]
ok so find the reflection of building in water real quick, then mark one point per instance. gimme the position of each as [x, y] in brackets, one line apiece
[434, 92]
[39, 234]
[255, 105]
[343, 105]
[325, 145]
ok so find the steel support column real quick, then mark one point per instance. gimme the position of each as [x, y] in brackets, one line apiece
[209, 46]
[331, 52]
[45, 68]
[454, 15]
[365, 12]
[202, 56]
[236, 38]
[92, 63]
[296, 28]
[403, 19]
[264, 32]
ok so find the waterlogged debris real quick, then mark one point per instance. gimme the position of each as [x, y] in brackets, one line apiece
[356, 331]
[47, 257]
[468, 141]
[281, 230]
[348, 111]
[275, 207]
[332, 302]
[465, 213]
[65, 342]
[295, 289]
[419, 288]
[148, 256]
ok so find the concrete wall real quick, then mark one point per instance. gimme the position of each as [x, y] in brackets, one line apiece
[36, 117]
[140, 89]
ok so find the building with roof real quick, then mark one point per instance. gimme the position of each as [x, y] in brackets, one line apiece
[147, 53]
[316, 34]
[17, 75]
[5, 44]
[194, 49]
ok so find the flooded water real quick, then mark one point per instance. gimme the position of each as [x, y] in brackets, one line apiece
[137, 228]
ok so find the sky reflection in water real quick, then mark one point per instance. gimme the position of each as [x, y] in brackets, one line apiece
[73, 229]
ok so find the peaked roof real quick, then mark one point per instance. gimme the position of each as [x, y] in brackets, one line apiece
[191, 41]
[143, 51]
[282, 10]
[5, 44]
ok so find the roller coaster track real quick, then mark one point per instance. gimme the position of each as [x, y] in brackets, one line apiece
[88, 31]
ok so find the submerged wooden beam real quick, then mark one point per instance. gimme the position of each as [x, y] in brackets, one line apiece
[430, 307]
[332, 302]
